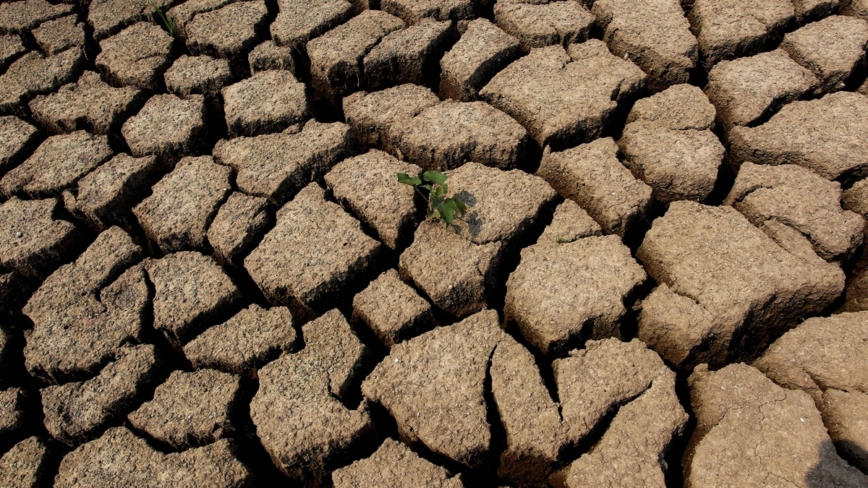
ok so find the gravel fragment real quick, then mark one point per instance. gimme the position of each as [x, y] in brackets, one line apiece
[202, 75]
[238, 226]
[136, 56]
[270, 101]
[392, 309]
[167, 126]
[483, 50]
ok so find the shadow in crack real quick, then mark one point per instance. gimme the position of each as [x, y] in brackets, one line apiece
[833, 470]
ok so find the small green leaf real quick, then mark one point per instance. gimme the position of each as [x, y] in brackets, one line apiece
[439, 191]
[461, 207]
[427, 187]
[407, 180]
[434, 177]
[447, 211]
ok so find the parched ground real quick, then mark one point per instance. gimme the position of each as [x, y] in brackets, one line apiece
[210, 276]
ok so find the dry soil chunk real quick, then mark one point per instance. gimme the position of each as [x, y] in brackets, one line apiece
[501, 205]
[570, 223]
[299, 21]
[190, 409]
[544, 24]
[482, 51]
[182, 205]
[413, 11]
[314, 250]
[58, 35]
[372, 115]
[832, 48]
[654, 34]
[441, 403]
[394, 464]
[825, 135]
[108, 17]
[228, 31]
[19, 17]
[13, 411]
[197, 74]
[136, 56]
[857, 288]
[336, 57]
[728, 29]
[277, 166]
[738, 286]
[88, 104]
[845, 414]
[456, 274]
[74, 412]
[592, 176]
[802, 199]
[17, 137]
[267, 102]
[86, 310]
[244, 343]
[562, 97]
[854, 8]
[10, 48]
[392, 309]
[26, 465]
[191, 291]
[367, 186]
[167, 126]
[297, 412]
[408, 55]
[750, 430]
[56, 165]
[33, 74]
[238, 226]
[856, 199]
[104, 197]
[120, 458]
[452, 133]
[270, 56]
[669, 145]
[586, 282]
[747, 89]
[32, 241]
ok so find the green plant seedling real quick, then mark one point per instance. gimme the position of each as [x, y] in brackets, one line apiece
[439, 207]
[169, 22]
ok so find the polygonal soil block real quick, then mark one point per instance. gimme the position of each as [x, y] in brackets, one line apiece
[32, 241]
[270, 56]
[86, 310]
[392, 309]
[483, 50]
[185, 12]
[564, 97]
[120, 458]
[413, 11]
[167, 126]
[17, 138]
[227, 32]
[266, 102]
[57, 164]
[297, 411]
[407, 55]
[854, 8]
[832, 48]
[336, 56]
[569, 223]
[856, 294]
[449, 134]
[313, 252]
[190, 409]
[277, 166]
[33, 74]
[202, 75]
[10, 48]
[440, 403]
[183, 204]
[299, 21]
[728, 29]
[75, 412]
[19, 17]
[668, 143]
[456, 274]
[108, 17]
[13, 412]
[801, 199]
[592, 176]
[136, 56]
[59, 35]
[244, 343]
[726, 287]
[654, 34]
[238, 226]
[105, 196]
[394, 464]
[368, 187]
[855, 198]
[372, 115]
[190, 292]
[29, 463]
[747, 89]
[88, 104]
[825, 135]
[750, 430]
[544, 24]
[586, 283]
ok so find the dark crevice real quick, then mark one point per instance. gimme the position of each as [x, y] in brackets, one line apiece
[543, 362]
[674, 474]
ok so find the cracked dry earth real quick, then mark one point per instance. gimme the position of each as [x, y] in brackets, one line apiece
[209, 275]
